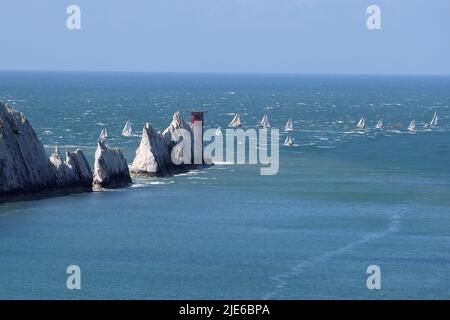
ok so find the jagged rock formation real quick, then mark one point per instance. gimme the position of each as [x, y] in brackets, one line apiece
[25, 167]
[74, 171]
[177, 123]
[110, 168]
[153, 156]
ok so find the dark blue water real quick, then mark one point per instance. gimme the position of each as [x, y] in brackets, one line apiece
[343, 199]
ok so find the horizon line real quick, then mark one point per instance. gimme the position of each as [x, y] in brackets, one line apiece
[230, 73]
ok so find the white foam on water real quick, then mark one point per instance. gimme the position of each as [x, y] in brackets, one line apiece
[223, 163]
[281, 280]
[143, 182]
[138, 185]
[162, 182]
[198, 178]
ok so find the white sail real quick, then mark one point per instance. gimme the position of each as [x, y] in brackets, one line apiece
[103, 134]
[379, 124]
[362, 123]
[289, 141]
[434, 121]
[127, 130]
[218, 132]
[236, 122]
[412, 126]
[289, 125]
[265, 122]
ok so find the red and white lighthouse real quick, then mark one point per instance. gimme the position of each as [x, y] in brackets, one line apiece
[197, 117]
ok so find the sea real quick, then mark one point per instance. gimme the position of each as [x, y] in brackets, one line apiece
[344, 199]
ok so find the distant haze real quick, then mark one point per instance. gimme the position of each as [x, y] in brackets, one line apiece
[244, 36]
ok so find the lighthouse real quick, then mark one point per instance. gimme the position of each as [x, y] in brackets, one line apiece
[197, 117]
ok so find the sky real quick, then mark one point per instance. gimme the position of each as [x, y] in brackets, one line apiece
[237, 36]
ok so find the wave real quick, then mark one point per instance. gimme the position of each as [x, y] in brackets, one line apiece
[281, 280]
[143, 182]
[222, 163]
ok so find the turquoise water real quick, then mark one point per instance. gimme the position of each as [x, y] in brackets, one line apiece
[342, 200]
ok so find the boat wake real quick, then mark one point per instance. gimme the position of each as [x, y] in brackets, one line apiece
[282, 279]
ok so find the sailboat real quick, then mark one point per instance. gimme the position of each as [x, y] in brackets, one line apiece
[265, 122]
[412, 126]
[127, 130]
[236, 122]
[104, 134]
[289, 141]
[433, 122]
[379, 124]
[362, 123]
[289, 125]
[218, 132]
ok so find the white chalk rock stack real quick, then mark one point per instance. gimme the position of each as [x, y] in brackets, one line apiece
[171, 139]
[74, 171]
[25, 167]
[110, 168]
[152, 156]
[163, 154]
[177, 123]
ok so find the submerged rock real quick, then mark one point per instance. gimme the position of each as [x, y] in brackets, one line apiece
[26, 169]
[110, 168]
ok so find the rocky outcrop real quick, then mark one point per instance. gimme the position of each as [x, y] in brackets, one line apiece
[110, 168]
[74, 171]
[25, 168]
[154, 154]
[177, 123]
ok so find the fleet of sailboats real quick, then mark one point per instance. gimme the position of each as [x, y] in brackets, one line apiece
[127, 130]
[236, 122]
[289, 127]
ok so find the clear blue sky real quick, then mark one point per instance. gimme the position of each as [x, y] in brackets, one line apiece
[294, 36]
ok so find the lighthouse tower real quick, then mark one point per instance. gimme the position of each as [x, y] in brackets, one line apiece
[197, 117]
